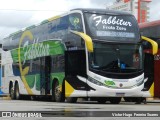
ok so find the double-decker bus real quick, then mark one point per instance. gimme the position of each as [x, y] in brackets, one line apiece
[151, 62]
[85, 53]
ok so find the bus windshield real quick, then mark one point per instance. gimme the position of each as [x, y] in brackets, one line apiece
[112, 27]
[116, 57]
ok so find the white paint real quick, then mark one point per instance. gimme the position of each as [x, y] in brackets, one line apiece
[111, 21]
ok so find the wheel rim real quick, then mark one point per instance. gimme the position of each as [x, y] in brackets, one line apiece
[57, 92]
[12, 92]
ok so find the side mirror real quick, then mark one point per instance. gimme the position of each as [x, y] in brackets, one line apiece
[153, 43]
[86, 38]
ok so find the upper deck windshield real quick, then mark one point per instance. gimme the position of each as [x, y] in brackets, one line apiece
[112, 27]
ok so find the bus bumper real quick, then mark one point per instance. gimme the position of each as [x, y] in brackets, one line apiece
[103, 91]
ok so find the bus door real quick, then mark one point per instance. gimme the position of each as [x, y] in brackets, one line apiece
[148, 70]
[45, 71]
[75, 65]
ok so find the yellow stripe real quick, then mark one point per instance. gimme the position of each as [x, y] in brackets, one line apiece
[53, 18]
[154, 44]
[68, 89]
[151, 90]
[87, 40]
[26, 69]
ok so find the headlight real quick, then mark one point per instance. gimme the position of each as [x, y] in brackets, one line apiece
[140, 81]
[95, 81]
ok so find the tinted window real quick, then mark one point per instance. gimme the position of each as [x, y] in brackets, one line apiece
[75, 42]
[75, 22]
[58, 63]
[58, 28]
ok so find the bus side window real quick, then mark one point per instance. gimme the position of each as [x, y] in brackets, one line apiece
[35, 66]
[74, 42]
[57, 63]
[15, 67]
[59, 28]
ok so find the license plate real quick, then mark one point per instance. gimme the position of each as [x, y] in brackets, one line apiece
[120, 94]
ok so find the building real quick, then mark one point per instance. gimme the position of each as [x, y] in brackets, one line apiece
[139, 8]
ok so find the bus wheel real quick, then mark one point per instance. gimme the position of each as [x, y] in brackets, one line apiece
[129, 99]
[58, 92]
[53, 94]
[140, 100]
[102, 100]
[71, 99]
[11, 91]
[115, 100]
[17, 94]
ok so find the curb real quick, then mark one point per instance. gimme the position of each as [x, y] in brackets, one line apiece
[153, 100]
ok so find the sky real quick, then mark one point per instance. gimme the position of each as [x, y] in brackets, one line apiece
[18, 14]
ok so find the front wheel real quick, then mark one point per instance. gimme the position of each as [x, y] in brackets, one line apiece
[58, 92]
[102, 100]
[115, 100]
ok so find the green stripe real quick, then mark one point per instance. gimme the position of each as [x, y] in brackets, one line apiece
[31, 81]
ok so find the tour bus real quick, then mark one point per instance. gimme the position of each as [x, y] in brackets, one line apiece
[85, 53]
[151, 62]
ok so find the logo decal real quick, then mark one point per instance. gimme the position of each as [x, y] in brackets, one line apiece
[109, 83]
[120, 85]
[35, 50]
[25, 70]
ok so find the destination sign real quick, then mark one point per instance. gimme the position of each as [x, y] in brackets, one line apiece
[113, 26]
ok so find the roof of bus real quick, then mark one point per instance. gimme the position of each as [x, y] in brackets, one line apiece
[149, 24]
[103, 11]
[91, 10]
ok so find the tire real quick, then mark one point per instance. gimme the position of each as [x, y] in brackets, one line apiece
[53, 94]
[128, 99]
[17, 94]
[115, 100]
[140, 100]
[57, 94]
[71, 99]
[102, 100]
[12, 92]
